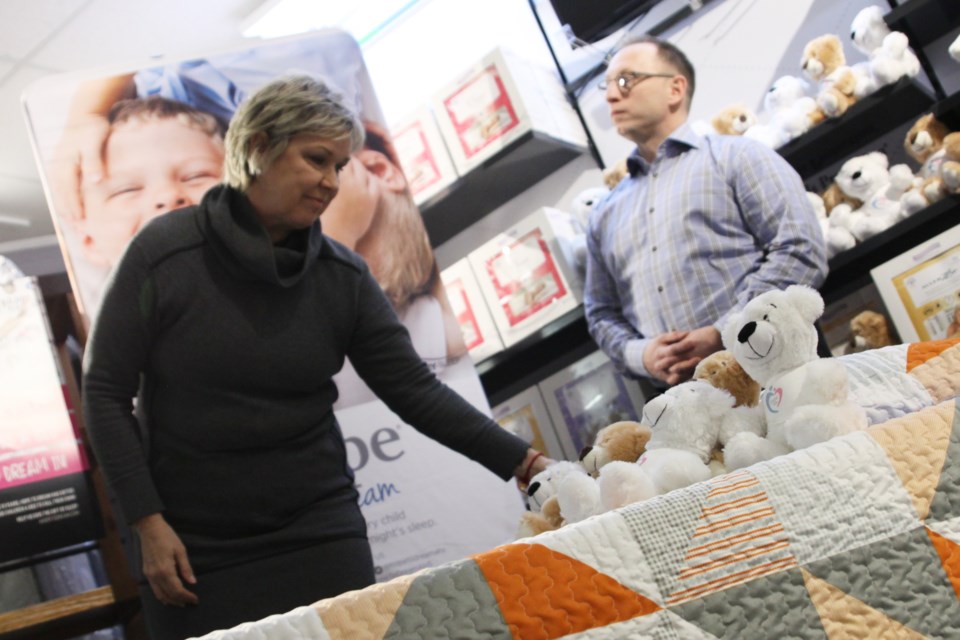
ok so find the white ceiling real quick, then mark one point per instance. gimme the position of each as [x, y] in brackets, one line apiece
[45, 37]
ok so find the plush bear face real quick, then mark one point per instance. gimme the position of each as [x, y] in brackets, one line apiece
[925, 138]
[625, 441]
[951, 147]
[584, 202]
[863, 176]
[734, 120]
[822, 56]
[544, 485]
[687, 417]
[784, 93]
[774, 333]
[723, 371]
[870, 328]
[868, 29]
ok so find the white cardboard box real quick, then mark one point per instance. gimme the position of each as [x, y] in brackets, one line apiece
[423, 155]
[496, 101]
[528, 273]
[587, 396]
[525, 415]
[469, 307]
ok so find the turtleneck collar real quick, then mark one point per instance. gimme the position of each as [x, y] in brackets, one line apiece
[228, 219]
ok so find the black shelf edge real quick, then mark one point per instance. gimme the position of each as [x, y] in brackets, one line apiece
[865, 121]
[947, 111]
[850, 270]
[923, 21]
[503, 374]
[514, 169]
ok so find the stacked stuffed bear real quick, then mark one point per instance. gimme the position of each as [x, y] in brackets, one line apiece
[805, 399]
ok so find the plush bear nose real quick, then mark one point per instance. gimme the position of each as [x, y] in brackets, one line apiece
[746, 332]
[856, 176]
[583, 452]
[532, 489]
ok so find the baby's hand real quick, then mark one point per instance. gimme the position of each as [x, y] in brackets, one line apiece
[77, 160]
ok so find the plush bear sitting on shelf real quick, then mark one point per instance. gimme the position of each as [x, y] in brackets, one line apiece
[880, 187]
[788, 112]
[836, 237]
[950, 167]
[888, 52]
[733, 120]
[613, 174]
[805, 399]
[825, 63]
[868, 330]
[954, 49]
[924, 143]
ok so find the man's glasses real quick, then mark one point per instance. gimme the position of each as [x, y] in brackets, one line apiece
[627, 80]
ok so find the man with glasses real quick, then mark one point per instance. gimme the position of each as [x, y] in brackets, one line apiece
[699, 226]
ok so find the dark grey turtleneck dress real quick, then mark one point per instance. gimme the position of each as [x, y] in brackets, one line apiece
[233, 344]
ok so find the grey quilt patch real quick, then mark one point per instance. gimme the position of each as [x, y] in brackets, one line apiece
[451, 601]
[946, 501]
[751, 611]
[902, 578]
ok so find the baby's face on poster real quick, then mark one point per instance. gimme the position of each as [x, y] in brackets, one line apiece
[151, 167]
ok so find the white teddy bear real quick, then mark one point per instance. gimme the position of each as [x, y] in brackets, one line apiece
[581, 206]
[687, 421]
[890, 57]
[805, 399]
[880, 187]
[836, 237]
[954, 49]
[788, 112]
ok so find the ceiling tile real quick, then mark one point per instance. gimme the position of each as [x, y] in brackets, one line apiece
[33, 20]
[23, 199]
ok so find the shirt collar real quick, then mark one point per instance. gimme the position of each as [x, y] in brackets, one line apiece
[682, 138]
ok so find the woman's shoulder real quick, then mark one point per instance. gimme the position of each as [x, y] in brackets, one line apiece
[169, 234]
[339, 254]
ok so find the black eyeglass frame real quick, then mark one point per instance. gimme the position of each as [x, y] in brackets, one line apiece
[627, 80]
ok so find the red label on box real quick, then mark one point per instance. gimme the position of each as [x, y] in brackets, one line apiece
[525, 277]
[481, 111]
[463, 310]
[419, 163]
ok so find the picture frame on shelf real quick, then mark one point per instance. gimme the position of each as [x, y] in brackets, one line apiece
[589, 395]
[921, 288]
[525, 415]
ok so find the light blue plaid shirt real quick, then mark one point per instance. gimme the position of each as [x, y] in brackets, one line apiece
[684, 241]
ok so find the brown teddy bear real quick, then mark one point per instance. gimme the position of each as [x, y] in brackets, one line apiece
[626, 440]
[824, 62]
[722, 371]
[950, 167]
[924, 143]
[868, 330]
[733, 120]
[614, 174]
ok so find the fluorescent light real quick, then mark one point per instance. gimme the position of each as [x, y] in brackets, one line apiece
[363, 20]
[14, 221]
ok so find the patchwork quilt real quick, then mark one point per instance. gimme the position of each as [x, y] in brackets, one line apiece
[858, 537]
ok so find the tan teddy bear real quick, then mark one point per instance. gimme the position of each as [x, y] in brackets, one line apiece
[824, 62]
[868, 330]
[924, 143]
[722, 371]
[950, 168]
[733, 120]
[614, 174]
[625, 441]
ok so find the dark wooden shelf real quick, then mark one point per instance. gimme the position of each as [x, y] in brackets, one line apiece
[867, 120]
[513, 170]
[556, 344]
[947, 111]
[923, 21]
[850, 270]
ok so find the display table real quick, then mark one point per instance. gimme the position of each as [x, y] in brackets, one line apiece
[856, 537]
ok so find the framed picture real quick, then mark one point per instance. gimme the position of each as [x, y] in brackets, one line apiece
[921, 288]
[587, 396]
[525, 415]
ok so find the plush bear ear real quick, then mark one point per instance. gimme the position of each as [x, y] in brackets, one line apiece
[880, 158]
[729, 334]
[806, 301]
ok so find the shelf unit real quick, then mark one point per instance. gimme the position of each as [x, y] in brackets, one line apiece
[865, 121]
[518, 166]
[566, 339]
